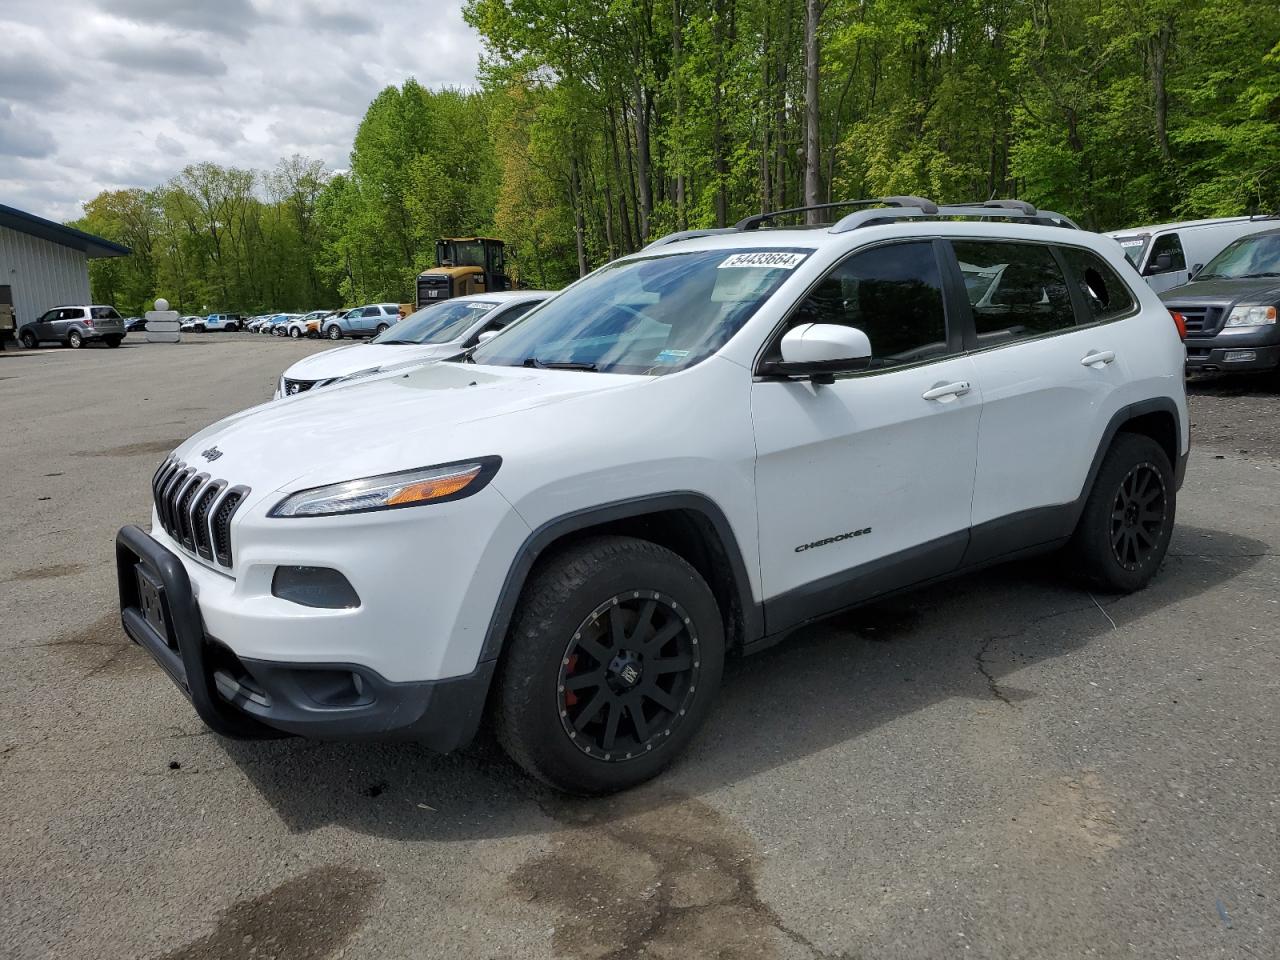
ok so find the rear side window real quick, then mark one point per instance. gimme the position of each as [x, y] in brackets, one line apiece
[72, 313]
[1016, 290]
[893, 294]
[1104, 294]
[1167, 243]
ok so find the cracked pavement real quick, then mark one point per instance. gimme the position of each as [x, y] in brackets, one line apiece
[999, 766]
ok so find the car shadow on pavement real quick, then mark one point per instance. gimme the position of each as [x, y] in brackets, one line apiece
[827, 684]
[1265, 384]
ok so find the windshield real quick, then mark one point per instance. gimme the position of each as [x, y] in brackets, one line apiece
[1133, 247]
[651, 316]
[438, 323]
[1255, 256]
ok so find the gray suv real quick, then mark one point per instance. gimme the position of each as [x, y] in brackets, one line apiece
[74, 326]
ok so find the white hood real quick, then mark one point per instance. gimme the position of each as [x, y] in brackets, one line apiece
[358, 357]
[429, 414]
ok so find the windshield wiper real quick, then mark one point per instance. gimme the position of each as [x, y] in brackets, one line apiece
[1258, 276]
[405, 342]
[559, 364]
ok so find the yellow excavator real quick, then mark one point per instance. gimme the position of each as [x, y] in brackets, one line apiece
[463, 265]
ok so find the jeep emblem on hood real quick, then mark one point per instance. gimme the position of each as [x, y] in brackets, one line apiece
[212, 454]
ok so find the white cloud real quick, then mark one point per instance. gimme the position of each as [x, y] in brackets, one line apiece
[157, 84]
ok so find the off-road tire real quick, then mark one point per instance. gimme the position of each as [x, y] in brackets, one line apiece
[561, 594]
[1092, 554]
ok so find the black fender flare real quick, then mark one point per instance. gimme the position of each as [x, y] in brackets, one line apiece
[1118, 420]
[553, 530]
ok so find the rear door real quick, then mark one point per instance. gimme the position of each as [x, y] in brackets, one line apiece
[67, 320]
[1050, 353]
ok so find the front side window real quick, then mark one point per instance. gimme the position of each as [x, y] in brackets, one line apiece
[1026, 297]
[1105, 294]
[893, 294]
[1167, 244]
[1248, 257]
[646, 316]
[438, 323]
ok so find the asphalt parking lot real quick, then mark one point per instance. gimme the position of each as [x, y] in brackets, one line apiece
[1002, 766]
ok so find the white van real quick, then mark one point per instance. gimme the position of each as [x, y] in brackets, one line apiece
[1168, 254]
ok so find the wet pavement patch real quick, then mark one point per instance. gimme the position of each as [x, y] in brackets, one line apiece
[49, 572]
[629, 879]
[102, 646]
[307, 918]
[147, 447]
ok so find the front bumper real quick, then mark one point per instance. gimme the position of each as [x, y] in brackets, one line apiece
[1230, 351]
[251, 698]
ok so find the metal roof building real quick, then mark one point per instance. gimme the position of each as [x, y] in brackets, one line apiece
[44, 264]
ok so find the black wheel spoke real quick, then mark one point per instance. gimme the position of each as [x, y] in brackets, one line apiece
[611, 725]
[635, 707]
[617, 628]
[644, 624]
[1141, 532]
[590, 710]
[592, 679]
[663, 637]
[595, 650]
[670, 664]
[659, 696]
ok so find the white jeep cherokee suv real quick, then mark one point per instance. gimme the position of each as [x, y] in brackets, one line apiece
[692, 451]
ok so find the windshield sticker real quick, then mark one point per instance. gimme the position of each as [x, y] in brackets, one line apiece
[671, 356]
[769, 260]
[1132, 243]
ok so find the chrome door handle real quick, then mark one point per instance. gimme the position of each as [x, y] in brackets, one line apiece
[957, 389]
[1097, 358]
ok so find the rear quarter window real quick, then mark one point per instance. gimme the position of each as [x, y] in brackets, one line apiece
[1105, 295]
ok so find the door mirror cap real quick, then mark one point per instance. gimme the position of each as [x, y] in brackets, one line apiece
[486, 336]
[1160, 264]
[818, 350]
[1196, 269]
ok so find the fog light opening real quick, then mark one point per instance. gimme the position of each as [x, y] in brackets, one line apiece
[1239, 356]
[321, 587]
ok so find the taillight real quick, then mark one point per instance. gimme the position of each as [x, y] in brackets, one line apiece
[88, 323]
[1180, 322]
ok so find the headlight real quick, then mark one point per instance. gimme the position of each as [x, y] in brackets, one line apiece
[1249, 315]
[391, 491]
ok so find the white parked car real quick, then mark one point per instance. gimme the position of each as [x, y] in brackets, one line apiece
[1169, 254]
[432, 333]
[192, 324]
[306, 325]
[690, 452]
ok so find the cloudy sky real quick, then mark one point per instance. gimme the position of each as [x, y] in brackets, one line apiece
[98, 94]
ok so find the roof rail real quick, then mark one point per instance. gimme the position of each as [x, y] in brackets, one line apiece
[754, 222]
[688, 235]
[1016, 210]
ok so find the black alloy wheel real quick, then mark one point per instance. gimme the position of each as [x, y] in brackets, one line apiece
[628, 676]
[1138, 515]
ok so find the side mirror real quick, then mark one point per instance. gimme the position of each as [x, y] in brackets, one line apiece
[1196, 269]
[486, 336]
[820, 350]
[1160, 264]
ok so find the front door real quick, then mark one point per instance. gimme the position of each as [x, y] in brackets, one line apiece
[45, 325]
[864, 485]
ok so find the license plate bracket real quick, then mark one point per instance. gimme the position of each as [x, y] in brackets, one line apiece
[151, 601]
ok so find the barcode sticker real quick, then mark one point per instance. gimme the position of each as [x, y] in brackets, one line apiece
[766, 259]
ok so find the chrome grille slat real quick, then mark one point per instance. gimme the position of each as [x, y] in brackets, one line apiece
[196, 510]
